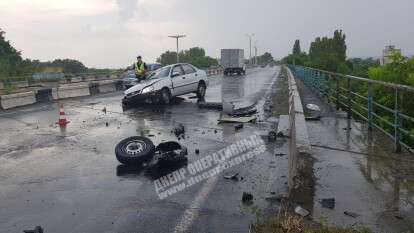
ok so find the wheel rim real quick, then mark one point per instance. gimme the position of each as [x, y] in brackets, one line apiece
[135, 147]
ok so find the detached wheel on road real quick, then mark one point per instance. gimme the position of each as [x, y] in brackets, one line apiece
[134, 150]
[165, 96]
[201, 90]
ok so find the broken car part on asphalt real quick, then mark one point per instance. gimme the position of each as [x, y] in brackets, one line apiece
[134, 151]
[301, 211]
[328, 203]
[247, 198]
[38, 229]
[170, 153]
[231, 177]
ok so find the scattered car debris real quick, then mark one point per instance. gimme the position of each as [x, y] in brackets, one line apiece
[37, 229]
[197, 151]
[210, 105]
[224, 118]
[104, 110]
[238, 126]
[280, 154]
[301, 211]
[179, 130]
[134, 150]
[247, 197]
[231, 109]
[313, 107]
[107, 124]
[275, 198]
[313, 118]
[170, 153]
[232, 177]
[272, 136]
[399, 217]
[351, 214]
[328, 203]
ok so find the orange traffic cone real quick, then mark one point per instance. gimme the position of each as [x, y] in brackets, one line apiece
[62, 118]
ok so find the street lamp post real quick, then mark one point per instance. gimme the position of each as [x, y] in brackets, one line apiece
[177, 37]
[250, 42]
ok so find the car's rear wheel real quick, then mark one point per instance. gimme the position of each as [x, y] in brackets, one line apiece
[201, 90]
[165, 96]
[134, 150]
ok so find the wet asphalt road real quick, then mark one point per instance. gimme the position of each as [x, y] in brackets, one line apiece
[75, 184]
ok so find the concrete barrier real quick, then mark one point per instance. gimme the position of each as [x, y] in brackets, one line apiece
[73, 90]
[18, 99]
[299, 144]
[105, 86]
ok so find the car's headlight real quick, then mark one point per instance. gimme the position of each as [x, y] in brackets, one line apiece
[147, 90]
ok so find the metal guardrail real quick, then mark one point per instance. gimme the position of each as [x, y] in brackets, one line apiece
[362, 97]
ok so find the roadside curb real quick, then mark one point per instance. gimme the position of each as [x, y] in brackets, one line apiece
[299, 143]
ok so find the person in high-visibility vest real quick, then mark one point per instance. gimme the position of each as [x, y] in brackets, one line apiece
[140, 69]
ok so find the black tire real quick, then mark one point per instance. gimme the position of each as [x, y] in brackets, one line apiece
[201, 90]
[165, 96]
[134, 150]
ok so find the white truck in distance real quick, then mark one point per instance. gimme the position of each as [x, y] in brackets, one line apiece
[232, 60]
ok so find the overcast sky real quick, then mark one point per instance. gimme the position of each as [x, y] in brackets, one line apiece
[110, 33]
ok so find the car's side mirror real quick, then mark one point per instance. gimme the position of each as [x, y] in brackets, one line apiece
[175, 74]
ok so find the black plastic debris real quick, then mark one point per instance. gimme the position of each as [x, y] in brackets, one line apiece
[38, 229]
[238, 126]
[247, 197]
[272, 136]
[280, 154]
[351, 214]
[197, 151]
[313, 118]
[107, 124]
[170, 153]
[328, 203]
[104, 110]
[232, 177]
[210, 105]
[179, 130]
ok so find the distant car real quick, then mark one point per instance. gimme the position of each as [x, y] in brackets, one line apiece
[168, 82]
[130, 80]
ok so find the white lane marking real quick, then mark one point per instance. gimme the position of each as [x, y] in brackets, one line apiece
[193, 211]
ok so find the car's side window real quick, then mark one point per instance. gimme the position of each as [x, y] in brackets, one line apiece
[178, 69]
[188, 69]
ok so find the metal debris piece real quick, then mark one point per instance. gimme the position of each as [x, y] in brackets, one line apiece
[280, 154]
[238, 127]
[313, 118]
[351, 214]
[232, 177]
[328, 203]
[224, 118]
[301, 211]
[313, 107]
[38, 229]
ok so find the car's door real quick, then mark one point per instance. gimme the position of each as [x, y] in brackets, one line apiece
[178, 79]
[191, 77]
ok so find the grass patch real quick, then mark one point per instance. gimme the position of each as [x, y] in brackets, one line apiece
[290, 223]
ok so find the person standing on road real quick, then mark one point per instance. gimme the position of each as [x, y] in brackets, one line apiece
[140, 69]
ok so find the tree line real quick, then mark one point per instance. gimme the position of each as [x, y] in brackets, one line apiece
[12, 63]
[330, 54]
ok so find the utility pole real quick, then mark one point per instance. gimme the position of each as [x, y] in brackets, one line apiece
[255, 52]
[177, 37]
[250, 42]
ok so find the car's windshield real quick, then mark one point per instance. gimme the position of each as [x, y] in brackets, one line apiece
[160, 73]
